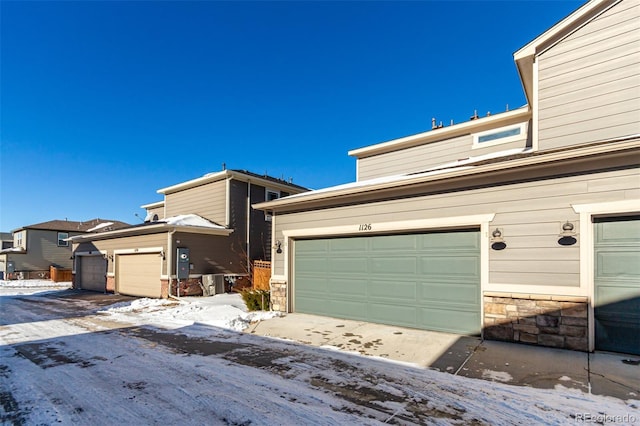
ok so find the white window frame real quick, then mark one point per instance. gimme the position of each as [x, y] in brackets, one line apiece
[502, 140]
[19, 239]
[268, 216]
[61, 241]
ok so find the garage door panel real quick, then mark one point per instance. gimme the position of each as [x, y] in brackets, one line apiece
[350, 245]
[393, 314]
[450, 241]
[351, 265]
[398, 290]
[311, 265]
[444, 266]
[448, 292]
[390, 278]
[394, 265]
[449, 320]
[394, 243]
[615, 263]
[348, 287]
[357, 309]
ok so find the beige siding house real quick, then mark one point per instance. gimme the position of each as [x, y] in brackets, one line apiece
[39, 246]
[205, 226]
[522, 226]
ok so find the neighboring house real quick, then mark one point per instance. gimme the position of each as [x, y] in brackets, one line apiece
[35, 248]
[7, 240]
[202, 227]
[523, 226]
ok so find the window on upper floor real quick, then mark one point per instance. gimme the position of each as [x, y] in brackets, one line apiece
[270, 195]
[499, 136]
[62, 236]
[18, 239]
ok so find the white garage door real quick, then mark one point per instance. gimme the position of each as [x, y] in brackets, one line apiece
[92, 273]
[138, 274]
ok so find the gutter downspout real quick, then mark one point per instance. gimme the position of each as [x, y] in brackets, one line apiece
[169, 259]
[248, 226]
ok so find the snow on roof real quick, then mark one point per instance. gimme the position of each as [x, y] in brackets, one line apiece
[191, 220]
[100, 226]
[13, 250]
[463, 164]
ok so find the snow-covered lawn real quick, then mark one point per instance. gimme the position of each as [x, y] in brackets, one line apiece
[68, 361]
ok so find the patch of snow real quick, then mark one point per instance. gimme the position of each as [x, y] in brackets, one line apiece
[100, 226]
[26, 287]
[223, 310]
[191, 220]
[565, 379]
[498, 376]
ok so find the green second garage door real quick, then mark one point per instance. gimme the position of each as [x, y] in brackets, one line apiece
[429, 280]
[617, 284]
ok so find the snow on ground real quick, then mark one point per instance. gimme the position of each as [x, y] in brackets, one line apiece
[223, 310]
[15, 287]
[88, 369]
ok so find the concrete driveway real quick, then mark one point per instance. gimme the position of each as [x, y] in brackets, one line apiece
[616, 375]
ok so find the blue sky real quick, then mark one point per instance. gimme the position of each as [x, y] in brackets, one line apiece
[103, 103]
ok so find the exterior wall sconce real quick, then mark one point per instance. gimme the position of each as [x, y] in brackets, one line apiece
[108, 257]
[278, 247]
[568, 235]
[497, 242]
[162, 254]
[72, 257]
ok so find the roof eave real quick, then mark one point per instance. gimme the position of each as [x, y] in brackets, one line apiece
[151, 229]
[153, 205]
[632, 142]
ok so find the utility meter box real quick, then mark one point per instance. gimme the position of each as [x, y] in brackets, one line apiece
[182, 263]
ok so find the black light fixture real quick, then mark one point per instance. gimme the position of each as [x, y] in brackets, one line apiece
[568, 235]
[278, 247]
[497, 242]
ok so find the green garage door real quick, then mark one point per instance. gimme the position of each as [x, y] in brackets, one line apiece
[617, 284]
[429, 280]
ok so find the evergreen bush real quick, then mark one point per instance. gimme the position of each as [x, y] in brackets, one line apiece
[256, 300]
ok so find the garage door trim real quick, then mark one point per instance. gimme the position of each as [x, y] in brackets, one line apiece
[481, 221]
[589, 212]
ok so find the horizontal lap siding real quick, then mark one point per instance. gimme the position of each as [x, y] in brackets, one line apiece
[208, 201]
[420, 158]
[529, 214]
[589, 84]
[43, 251]
[212, 254]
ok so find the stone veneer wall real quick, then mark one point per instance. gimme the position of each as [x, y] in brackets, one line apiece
[278, 295]
[544, 320]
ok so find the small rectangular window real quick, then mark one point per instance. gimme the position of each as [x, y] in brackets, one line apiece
[499, 136]
[270, 195]
[62, 236]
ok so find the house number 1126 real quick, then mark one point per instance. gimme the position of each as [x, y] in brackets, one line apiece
[365, 227]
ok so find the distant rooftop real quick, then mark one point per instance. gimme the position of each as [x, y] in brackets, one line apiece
[71, 225]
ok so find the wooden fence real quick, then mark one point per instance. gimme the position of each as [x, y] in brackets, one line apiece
[261, 274]
[59, 275]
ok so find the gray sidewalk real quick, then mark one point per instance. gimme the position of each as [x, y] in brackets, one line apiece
[616, 375]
